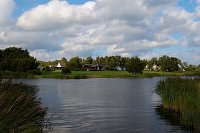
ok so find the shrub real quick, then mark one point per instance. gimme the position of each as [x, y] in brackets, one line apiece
[66, 70]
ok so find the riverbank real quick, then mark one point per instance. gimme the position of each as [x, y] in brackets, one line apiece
[96, 74]
[110, 74]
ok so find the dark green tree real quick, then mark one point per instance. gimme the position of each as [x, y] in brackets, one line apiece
[135, 65]
[169, 64]
[17, 60]
[75, 63]
[88, 60]
[66, 69]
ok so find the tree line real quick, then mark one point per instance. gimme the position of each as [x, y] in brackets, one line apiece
[19, 60]
[131, 64]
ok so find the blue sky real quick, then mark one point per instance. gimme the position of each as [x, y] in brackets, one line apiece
[23, 5]
[188, 5]
[54, 29]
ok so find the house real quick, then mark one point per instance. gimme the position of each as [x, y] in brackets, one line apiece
[156, 67]
[60, 65]
[90, 67]
[181, 67]
[153, 68]
[118, 68]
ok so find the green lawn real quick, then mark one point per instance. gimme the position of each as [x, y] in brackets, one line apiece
[109, 74]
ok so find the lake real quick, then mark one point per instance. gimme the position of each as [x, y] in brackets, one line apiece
[104, 106]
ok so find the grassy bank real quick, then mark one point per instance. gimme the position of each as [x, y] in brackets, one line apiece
[57, 74]
[20, 110]
[182, 96]
[110, 74]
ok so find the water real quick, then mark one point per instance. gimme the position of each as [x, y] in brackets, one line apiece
[103, 106]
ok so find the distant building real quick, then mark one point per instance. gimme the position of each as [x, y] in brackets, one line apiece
[156, 67]
[90, 67]
[120, 68]
[181, 67]
[60, 65]
[153, 68]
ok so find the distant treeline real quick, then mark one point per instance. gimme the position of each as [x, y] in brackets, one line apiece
[19, 60]
[164, 63]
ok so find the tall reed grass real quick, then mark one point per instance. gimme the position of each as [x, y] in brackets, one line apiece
[182, 95]
[20, 110]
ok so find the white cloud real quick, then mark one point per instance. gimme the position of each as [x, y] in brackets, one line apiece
[6, 9]
[103, 27]
[56, 14]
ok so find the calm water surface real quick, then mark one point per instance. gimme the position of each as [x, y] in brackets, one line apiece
[103, 106]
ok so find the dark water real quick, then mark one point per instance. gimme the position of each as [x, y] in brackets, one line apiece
[104, 106]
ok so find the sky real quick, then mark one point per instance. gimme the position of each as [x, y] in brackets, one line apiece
[65, 28]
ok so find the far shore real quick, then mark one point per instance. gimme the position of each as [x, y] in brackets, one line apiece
[57, 74]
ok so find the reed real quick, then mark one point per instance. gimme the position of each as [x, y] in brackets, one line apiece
[182, 95]
[20, 110]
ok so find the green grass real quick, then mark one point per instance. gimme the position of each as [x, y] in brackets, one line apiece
[20, 110]
[109, 74]
[182, 95]
[93, 74]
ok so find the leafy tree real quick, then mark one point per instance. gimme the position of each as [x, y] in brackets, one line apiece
[75, 63]
[135, 65]
[122, 62]
[64, 60]
[169, 64]
[66, 69]
[191, 68]
[88, 60]
[17, 60]
[153, 61]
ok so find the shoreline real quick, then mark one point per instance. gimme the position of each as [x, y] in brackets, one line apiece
[99, 74]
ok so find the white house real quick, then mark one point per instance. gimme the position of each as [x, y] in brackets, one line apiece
[60, 65]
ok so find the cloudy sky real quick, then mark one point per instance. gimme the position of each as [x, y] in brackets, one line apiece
[145, 28]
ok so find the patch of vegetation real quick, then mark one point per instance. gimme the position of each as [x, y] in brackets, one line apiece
[21, 111]
[182, 95]
[110, 74]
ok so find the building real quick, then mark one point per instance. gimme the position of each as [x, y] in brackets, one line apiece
[60, 65]
[90, 67]
[153, 68]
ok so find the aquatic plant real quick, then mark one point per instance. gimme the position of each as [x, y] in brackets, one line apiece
[182, 95]
[20, 110]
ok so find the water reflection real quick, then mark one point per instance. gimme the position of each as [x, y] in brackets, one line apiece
[102, 105]
[20, 109]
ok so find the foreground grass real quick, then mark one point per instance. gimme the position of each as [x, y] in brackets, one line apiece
[20, 110]
[182, 96]
[110, 74]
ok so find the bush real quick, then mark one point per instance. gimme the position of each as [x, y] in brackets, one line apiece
[35, 72]
[66, 70]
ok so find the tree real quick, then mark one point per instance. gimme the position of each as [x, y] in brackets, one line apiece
[75, 63]
[122, 62]
[135, 65]
[169, 64]
[153, 61]
[66, 69]
[17, 60]
[88, 60]
[64, 60]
